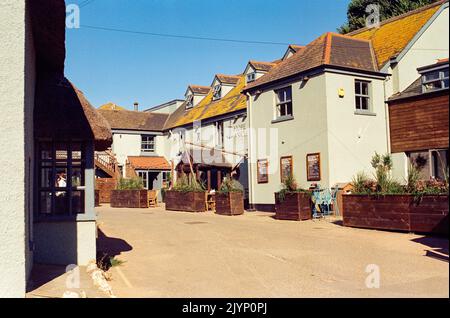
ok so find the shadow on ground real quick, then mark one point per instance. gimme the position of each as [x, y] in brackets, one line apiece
[438, 247]
[43, 274]
[108, 248]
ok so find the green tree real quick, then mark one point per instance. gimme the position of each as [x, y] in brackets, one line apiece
[356, 12]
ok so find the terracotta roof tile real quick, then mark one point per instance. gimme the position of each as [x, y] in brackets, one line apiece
[329, 49]
[228, 79]
[262, 66]
[132, 120]
[394, 34]
[149, 163]
[198, 89]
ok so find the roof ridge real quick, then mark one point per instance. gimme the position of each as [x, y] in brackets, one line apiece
[326, 57]
[401, 16]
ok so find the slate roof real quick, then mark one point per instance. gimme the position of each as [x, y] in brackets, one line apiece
[132, 120]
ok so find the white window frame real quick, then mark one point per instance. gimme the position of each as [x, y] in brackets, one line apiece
[362, 96]
[251, 77]
[189, 101]
[217, 92]
[440, 79]
[283, 104]
[151, 143]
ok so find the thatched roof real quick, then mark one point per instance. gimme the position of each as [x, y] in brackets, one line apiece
[63, 112]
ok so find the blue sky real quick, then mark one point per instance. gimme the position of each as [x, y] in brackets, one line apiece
[123, 68]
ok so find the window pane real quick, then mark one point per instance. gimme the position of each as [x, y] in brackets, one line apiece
[61, 203]
[289, 109]
[61, 177]
[364, 103]
[78, 202]
[288, 94]
[46, 151]
[433, 86]
[445, 74]
[45, 202]
[357, 87]
[445, 83]
[358, 102]
[46, 177]
[77, 177]
[365, 88]
[431, 76]
[76, 152]
[61, 151]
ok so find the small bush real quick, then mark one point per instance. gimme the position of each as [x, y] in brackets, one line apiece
[289, 185]
[230, 185]
[188, 184]
[130, 184]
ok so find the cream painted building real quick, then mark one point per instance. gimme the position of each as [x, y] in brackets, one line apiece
[307, 110]
[402, 45]
[47, 199]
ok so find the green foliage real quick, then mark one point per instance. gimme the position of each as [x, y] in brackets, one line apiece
[289, 185]
[130, 184]
[384, 184]
[188, 184]
[356, 12]
[230, 185]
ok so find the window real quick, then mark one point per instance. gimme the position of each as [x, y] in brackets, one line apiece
[284, 102]
[362, 95]
[433, 164]
[143, 175]
[61, 178]
[435, 80]
[147, 143]
[251, 77]
[219, 134]
[217, 94]
[190, 101]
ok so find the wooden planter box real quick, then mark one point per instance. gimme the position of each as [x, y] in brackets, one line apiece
[397, 212]
[230, 204]
[185, 201]
[129, 199]
[294, 207]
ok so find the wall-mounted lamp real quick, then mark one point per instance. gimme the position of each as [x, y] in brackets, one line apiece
[341, 92]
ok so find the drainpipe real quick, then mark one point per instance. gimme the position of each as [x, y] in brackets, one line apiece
[249, 155]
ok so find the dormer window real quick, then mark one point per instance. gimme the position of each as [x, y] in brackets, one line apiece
[435, 80]
[217, 94]
[251, 77]
[190, 102]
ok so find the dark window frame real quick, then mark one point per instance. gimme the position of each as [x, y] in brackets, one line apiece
[53, 163]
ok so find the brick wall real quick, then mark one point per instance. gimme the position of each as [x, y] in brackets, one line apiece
[105, 185]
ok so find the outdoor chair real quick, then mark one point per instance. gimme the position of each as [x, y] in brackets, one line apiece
[152, 199]
[334, 200]
[210, 202]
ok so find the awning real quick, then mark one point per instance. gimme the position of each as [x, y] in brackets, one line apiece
[210, 157]
[149, 163]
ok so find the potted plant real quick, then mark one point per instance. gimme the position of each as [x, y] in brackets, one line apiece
[230, 198]
[130, 193]
[383, 203]
[292, 203]
[187, 195]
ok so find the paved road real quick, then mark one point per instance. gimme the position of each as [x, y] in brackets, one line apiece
[176, 254]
